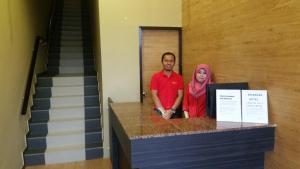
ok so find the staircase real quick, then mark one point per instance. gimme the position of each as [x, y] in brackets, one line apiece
[65, 124]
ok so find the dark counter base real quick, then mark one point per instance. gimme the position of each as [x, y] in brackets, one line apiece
[235, 148]
[253, 161]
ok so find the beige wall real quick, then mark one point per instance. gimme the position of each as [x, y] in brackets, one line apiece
[95, 34]
[255, 41]
[119, 27]
[20, 22]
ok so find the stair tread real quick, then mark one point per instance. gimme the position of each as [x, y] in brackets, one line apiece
[67, 96]
[83, 66]
[70, 107]
[32, 135]
[80, 146]
[65, 101]
[85, 86]
[40, 121]
[43, 121]
[67, 75]
[70, 75]
[71, 59]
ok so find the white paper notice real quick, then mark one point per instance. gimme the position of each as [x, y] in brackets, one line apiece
[229, 105]
[255, 106]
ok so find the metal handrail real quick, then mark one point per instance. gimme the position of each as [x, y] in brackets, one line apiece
[51, 19]
[38, 41]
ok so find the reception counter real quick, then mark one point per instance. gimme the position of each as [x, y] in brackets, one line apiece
[142, 139]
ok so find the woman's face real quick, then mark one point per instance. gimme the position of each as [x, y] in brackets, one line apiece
[201, 75]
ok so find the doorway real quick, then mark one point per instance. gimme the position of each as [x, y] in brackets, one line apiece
[153, 42]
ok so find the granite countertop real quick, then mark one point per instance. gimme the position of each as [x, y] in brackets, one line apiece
[140, 121]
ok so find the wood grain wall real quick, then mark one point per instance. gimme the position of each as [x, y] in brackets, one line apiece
[256, 41]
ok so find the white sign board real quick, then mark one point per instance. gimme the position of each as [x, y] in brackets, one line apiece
[255, 106]
[228, 105]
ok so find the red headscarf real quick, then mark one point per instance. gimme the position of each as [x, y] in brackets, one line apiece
[195, 87]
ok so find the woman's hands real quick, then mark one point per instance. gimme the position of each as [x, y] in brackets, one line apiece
[186, 114]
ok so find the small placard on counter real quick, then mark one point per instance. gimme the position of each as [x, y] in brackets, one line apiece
[254, 106]
[228, 105]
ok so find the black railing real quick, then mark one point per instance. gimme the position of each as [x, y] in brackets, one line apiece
[51, 19]
[38, 41]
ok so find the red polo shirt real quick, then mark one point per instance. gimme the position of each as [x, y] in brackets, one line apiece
[167, 87]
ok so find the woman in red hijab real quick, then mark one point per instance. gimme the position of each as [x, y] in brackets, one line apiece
[194, 102]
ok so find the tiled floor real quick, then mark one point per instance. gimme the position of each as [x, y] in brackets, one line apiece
[88, 164]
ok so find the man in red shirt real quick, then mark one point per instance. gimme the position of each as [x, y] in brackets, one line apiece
[167, 87]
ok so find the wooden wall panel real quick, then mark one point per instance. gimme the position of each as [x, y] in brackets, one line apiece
[256, 41]
[154, 44]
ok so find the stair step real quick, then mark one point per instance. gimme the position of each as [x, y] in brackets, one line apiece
[57, 46]
[60, 102]
[70, 56]
[64, 55]
[74, 18]
[65, 19]
[66, 81]
[47, 92]
[68, 37]
[68, 6]
[71, 43]
[71, 5]
[74, 53]
[70, 28]
[75, 22]
[56, 39]
[64, 113]
[71, 8]
[71, 49]
[53, 74]
[69, 2]
[65, 125]
[72, 32]
[66, 69]
[70, 14]
[70, 62]
[62, 155]
[59, 139]
[71, 69]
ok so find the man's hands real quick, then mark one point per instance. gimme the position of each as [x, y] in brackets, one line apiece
[168, 114]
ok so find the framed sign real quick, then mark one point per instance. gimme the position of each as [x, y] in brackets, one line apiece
[255, 106]
[228, 105]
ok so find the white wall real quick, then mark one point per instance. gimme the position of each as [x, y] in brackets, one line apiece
[119, 35]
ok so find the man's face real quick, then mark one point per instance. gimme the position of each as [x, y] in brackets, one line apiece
[168, 62]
